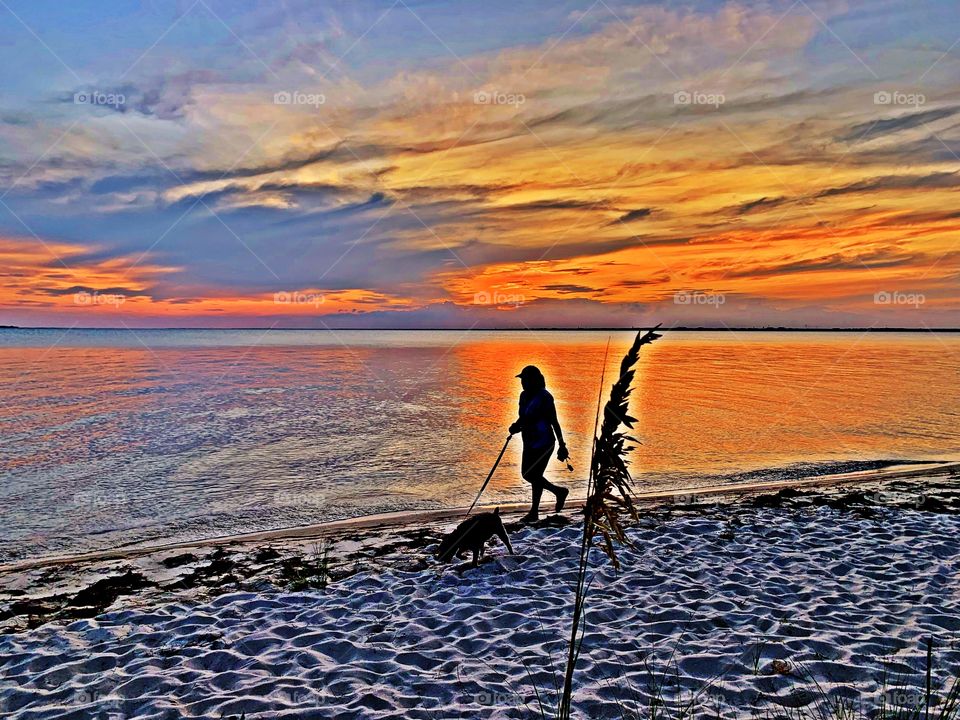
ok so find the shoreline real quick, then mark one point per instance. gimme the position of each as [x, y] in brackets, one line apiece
[406, 518]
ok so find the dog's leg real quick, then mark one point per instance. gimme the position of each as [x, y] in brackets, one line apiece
[502, 534]
[476, 556]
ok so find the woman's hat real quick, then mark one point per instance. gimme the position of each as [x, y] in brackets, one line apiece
[530, 371]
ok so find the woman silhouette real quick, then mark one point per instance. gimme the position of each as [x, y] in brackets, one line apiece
[538, 426]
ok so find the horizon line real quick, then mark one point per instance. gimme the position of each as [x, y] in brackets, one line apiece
[624, 328]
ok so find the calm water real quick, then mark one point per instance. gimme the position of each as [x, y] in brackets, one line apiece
[111, 437]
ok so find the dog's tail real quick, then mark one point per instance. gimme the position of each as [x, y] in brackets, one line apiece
[502, 531]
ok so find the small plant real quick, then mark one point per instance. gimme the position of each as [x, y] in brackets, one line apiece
[312, 571]
[757, 655]
[608, 496]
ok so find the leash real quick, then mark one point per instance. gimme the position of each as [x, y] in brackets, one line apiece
[490, 475]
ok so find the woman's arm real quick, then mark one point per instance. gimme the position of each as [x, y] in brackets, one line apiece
[562, 453]
[518, 423]
[558, 431]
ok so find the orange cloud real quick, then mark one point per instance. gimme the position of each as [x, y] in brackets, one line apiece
[58, 275]
[61, 276]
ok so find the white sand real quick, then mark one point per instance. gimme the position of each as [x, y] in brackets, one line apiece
[832, 593]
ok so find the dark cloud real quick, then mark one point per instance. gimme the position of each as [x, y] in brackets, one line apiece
[632, 215]
[887, 126]
[421, 193]
[476, 252]
[763, 203]
[162, 179]
[567, 289]
[649, 242]
[624, 114]
[16, 119]
[164, 97]
[552, 205]
[896, 182]
[183, 301]
[944, 147]
[60, 292]
[865, 261]
[611, 115]
[911, 218]
[630, 283]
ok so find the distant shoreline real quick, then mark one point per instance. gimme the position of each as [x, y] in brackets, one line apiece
[680, 328]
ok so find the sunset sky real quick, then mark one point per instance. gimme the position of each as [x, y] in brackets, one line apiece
[464, 164]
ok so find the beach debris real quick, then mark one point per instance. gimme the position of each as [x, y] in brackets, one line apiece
[104, 592]
[176, 561]
[779, 667]
[220, 563]
[216, 573]
[265, 554]
[771, 501]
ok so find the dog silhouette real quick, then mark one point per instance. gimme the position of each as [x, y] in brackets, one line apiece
[472, 534]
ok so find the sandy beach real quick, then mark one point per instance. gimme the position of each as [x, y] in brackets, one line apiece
[772, 600]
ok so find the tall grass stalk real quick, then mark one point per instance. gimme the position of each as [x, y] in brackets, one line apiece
[608, 496]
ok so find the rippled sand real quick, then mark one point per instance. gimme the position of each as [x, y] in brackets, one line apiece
[724, 595]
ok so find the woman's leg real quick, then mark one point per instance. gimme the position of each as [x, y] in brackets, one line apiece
[532, 466]
[537, 493]
[555, 489]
